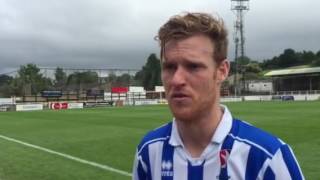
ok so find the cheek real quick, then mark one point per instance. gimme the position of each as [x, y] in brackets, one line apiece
[205, 81]
[165, 80]
[201, 87]
[164, 77]
[206, 87]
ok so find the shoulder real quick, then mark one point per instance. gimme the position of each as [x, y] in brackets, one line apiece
[160, 134]
[266, 155]
[255, 137]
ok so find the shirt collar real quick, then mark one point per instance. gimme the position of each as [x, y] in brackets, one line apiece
[221, 132]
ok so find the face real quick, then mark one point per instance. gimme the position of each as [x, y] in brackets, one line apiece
[191, 77]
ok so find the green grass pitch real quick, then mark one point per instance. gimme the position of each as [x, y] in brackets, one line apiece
[109, 136]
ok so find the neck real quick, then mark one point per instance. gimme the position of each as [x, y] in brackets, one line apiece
[197, 134]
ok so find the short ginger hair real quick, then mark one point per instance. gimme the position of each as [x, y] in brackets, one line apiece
[188, 24]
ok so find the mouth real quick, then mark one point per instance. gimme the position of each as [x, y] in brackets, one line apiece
[179, 96]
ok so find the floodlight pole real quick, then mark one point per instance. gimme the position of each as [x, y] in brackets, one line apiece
[239, 7]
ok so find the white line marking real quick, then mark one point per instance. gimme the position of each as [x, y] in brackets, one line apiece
[104, 167]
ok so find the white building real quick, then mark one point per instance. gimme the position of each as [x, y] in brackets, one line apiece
[259, 86]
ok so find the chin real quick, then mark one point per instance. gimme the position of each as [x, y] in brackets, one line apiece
[183, 118]
[182, 113]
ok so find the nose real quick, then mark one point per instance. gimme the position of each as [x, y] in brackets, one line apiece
[179, 77]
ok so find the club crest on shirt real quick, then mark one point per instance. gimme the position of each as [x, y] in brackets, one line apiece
[166, 168]
[224, 156]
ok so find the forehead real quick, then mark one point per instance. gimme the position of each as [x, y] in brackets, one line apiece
[198, 45]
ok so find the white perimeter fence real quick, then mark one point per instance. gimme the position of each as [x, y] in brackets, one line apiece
[7, 104]
[305, 97]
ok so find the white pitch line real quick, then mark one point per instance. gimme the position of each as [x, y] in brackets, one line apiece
[104, 167]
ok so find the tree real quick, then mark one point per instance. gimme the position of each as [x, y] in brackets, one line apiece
[316, 62]
[270, 63]
[288, 58]
[30, 80]
[5, 82]
[241, 61]
[138, 78]
[253, 68]
[83, 80]
[124, 79]
[5, 79]
[16, 87]
[244, 60]
[151, 73]
[112, 79]
[60, 78]
[307, 57]
[251, 76]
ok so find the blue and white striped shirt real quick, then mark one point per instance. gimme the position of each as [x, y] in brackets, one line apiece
[237, 151]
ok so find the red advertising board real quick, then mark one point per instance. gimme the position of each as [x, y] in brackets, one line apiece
[64, 106]
[59, 105]
[119, 90]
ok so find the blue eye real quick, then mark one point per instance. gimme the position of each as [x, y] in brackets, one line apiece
[193, 66]
[167, 66]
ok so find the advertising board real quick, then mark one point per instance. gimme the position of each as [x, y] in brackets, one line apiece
[28, 107]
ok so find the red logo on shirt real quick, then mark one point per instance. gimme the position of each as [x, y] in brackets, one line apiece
[224, 155]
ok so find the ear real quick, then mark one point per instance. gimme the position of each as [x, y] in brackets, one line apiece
[223, 70]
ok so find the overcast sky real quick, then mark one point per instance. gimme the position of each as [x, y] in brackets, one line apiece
[119, 33]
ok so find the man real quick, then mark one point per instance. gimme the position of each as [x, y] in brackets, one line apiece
[204, 142]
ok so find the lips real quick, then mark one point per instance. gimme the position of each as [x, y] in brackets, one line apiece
[179, 95]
